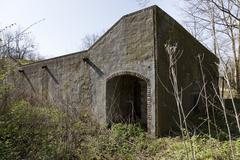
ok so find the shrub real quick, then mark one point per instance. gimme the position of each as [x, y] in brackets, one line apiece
[45, 132]
[30, 132]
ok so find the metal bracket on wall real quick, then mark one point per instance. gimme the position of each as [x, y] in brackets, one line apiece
[51, 74]
[27, 78]
[91, 64]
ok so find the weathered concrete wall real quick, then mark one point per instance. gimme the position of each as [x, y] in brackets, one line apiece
[188, 70]
[69, 81]
[128, 48]
[64, 83]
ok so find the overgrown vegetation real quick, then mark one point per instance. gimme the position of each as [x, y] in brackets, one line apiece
[45, 132]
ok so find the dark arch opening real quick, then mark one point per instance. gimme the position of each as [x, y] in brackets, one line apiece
[126, 100]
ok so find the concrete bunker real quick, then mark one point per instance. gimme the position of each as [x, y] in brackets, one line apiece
[126, 99]
[124, 76]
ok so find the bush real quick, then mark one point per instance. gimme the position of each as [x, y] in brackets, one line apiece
[29, 132]
[45, 132]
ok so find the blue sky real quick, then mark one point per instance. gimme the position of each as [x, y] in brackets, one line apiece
[68, 21]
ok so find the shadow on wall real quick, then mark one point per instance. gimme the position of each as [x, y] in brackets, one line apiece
[96, 69]
[51, 74]
[28, 80]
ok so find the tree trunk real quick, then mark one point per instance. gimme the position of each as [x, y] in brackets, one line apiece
[238, 65]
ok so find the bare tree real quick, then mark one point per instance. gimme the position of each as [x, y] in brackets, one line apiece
[17, 45]
[89, 40]
[229, 7]
[219, 19]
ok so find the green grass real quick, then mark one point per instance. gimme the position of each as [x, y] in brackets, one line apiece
[45, 132]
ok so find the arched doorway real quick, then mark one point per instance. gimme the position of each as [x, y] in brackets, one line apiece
[126, 100]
